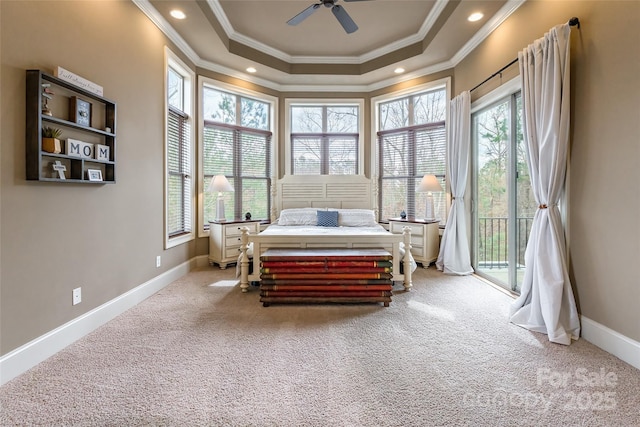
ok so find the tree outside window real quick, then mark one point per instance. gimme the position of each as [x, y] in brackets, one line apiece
[237, 144]
[324, 139]
[411, 144]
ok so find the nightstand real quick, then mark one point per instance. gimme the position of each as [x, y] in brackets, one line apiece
[425, 238]
[224, 240]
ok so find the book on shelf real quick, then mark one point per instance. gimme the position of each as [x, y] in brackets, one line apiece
[299, 276]
[332, 294]
[326, 263]
[326, 282]
[333, 288]
[355, 256]
[321, 270]
[324, 299]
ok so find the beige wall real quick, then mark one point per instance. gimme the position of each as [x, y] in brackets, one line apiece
[56, 237]
[604, 200]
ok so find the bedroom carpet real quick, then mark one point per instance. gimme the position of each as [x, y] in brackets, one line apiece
[201, 353]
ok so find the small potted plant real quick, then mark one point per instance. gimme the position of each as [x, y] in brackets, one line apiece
[50, 140]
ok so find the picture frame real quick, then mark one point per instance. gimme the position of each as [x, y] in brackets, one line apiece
[80, 111]
[94, 175]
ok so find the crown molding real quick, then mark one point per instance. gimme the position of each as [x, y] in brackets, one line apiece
[217, 10]
[497, 19]
[164, 26]
[320, 85]
[323, 83]
[232, 34]
[232, 72]
[428, 23]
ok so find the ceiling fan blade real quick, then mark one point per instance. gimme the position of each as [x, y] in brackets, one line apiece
[304, 14]
[344, 19]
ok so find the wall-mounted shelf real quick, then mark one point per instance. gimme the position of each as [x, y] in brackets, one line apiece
[101, 132]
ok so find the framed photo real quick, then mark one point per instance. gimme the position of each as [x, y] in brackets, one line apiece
[94, 174]
[80, 111]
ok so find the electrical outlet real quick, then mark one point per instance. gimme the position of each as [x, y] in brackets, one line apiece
[158, 261]
[77, 296]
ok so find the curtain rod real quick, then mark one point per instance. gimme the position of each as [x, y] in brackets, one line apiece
[572, 22]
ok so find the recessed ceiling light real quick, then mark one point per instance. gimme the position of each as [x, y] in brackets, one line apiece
[399, 70]
[475, 17]
[251, 70]
[178, 14]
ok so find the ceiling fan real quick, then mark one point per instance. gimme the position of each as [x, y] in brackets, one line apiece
[340, 13]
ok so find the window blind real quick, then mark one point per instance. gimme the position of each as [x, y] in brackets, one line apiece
[243, 155]
[324, 154]
[406, 155]
[179, 173]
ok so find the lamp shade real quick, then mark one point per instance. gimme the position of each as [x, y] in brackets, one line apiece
[220, 183]
[429, 183]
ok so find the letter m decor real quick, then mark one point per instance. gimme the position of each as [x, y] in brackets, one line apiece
[101, 152]
[75, 148]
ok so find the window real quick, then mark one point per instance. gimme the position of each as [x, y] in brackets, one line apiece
[179, 149]
[411, 143]
[501, 187]
[324, 139]
[236, 142]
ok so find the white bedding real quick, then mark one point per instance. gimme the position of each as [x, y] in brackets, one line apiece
[313, 230]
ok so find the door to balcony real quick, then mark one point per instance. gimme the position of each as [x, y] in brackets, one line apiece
[503, 203]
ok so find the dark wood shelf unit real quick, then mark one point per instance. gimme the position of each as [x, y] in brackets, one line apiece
[38, 161]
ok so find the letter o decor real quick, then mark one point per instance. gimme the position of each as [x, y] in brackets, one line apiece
[75, 148]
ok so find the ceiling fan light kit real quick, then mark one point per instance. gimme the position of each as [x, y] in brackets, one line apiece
[338, 11]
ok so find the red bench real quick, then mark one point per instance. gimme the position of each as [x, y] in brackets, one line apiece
[325, 276]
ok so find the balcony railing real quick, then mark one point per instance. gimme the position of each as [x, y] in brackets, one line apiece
[493, 234]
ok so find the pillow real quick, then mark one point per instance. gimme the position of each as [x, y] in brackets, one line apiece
[327, 218]
[357, 218]
[298, 216]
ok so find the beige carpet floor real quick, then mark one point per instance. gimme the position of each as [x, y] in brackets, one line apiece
[201, 353]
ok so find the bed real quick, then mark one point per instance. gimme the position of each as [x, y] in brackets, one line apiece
[300, 228]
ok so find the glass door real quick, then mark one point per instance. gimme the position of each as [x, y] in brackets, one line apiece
[502, 199]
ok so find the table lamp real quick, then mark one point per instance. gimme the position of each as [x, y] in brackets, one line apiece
[428, 184]
[220, 184]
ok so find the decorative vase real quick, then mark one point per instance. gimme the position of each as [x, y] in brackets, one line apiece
[51, 145]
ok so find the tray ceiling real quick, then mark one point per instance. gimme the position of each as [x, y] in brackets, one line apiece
[421, 36]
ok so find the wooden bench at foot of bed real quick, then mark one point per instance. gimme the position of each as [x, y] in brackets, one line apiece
[325, 275]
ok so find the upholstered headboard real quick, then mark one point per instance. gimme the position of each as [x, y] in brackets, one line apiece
[326, 191]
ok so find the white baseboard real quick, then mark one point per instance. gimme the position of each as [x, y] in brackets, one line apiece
[200, 261]
[29, 355]
[611, 341]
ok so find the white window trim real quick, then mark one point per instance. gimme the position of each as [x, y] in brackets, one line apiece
[320, 102]
[505, 90]
[273, 117]
[171, 60]
[375, 122]
[375, 125]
